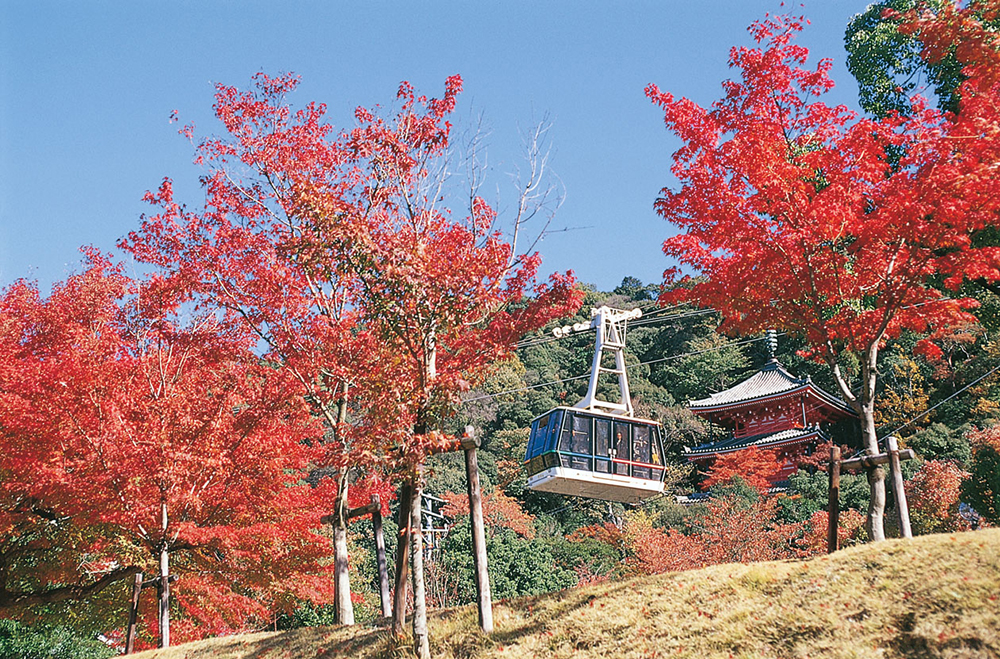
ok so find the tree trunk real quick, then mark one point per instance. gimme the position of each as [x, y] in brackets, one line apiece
[341, 577]
[402, 572]
[164, 588]
[164, 591]
[876, 476]
[876, 505]
[420, 640]
[383, 574]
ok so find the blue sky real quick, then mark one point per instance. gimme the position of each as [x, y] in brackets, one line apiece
[87, 88]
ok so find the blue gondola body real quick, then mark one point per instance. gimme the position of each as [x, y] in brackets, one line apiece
[596, 455]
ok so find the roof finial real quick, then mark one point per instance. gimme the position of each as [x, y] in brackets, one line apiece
[772, 343]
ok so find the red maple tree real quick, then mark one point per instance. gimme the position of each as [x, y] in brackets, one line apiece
[755, 466]
[850, 524]
[338, 250]
[170, 444]
[804, 217]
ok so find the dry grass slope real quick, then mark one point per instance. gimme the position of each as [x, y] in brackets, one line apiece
[934, 596]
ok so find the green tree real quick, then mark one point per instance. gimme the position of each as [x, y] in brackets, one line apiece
[888, 64]
[517, 566]
[982, 489]
[939, 442]
[809, 492]
[634, 289]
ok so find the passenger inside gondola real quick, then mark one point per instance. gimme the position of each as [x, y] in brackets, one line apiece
[622, 454]
[640, 452]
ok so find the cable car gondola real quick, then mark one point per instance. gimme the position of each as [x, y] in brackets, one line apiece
[598, 449]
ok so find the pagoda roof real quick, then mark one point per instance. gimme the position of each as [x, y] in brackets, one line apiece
[765, 440]
[772, 380]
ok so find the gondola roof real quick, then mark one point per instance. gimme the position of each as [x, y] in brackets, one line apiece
[614, 416]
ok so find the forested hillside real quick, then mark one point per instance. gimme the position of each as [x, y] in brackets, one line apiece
[675, 354]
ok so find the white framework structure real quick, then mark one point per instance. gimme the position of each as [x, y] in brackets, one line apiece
[611, 326]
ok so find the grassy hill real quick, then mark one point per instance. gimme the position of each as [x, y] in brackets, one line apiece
[934, 596]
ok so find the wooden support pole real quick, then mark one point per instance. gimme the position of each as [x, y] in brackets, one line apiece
[833, 510]
[383, 572]
[361, 511]
[402, 571]
[373, 508]
[902, 508]
[133, 614]
[368, 509]
[484, 598]
[872, 461]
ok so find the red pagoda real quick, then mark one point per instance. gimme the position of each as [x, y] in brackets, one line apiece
[773, 410]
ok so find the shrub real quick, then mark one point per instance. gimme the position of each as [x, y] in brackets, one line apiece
[933, 496]
[517, 565]
[19, 641]
[850, 530]
[938, 442]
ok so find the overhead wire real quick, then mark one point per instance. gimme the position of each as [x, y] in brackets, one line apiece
[942, 402]
[982, 377]
[645, 320]
[628, 366]
[913, 419]
[650, 319]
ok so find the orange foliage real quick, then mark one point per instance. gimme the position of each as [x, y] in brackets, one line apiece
[752, 464]
[738, 533]
[849, 530]
[658, 550]
[499, 510]
[585, 576]
[607, 533]
[734, 531]
[933, 496]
